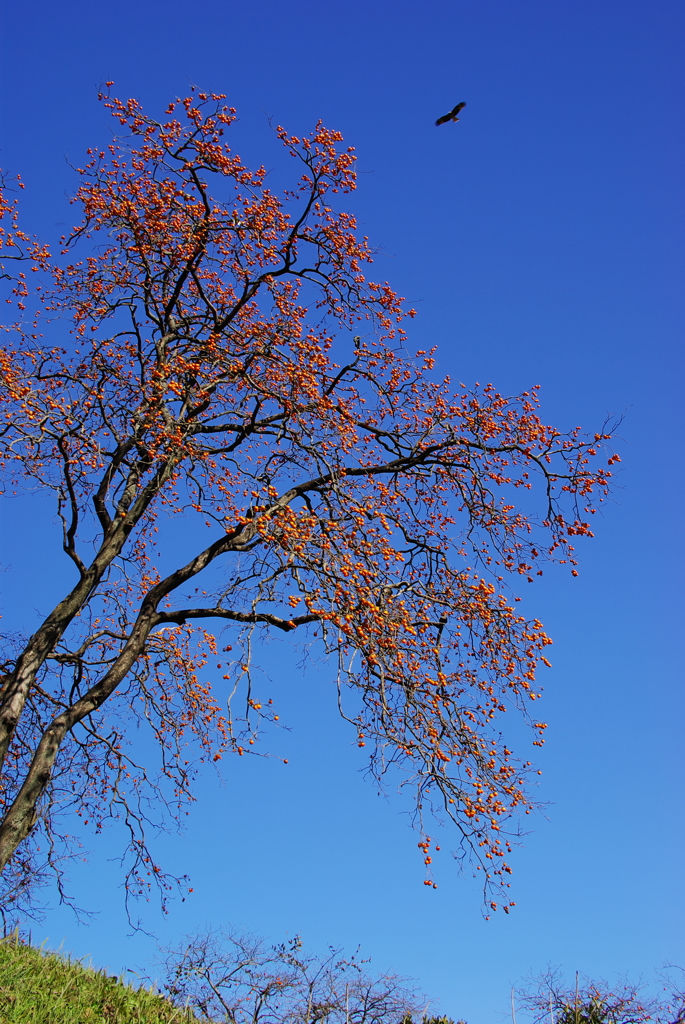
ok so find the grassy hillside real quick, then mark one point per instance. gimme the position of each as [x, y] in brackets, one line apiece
[44, 988]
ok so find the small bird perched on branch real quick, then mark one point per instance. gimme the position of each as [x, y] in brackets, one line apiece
[452, 116]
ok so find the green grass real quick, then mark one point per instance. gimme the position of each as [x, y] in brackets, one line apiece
[38, 987]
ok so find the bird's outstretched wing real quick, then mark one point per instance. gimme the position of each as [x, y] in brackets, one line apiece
[452, 116]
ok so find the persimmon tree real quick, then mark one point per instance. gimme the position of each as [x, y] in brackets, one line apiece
[205, 348]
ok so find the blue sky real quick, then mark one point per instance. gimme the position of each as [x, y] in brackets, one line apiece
[541, 240]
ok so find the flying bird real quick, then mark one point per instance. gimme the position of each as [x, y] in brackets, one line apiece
[452, 116]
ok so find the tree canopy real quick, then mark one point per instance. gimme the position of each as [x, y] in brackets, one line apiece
[206, 348]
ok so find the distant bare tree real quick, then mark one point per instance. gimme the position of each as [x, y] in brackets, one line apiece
[550, 1000]
[229, 977]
